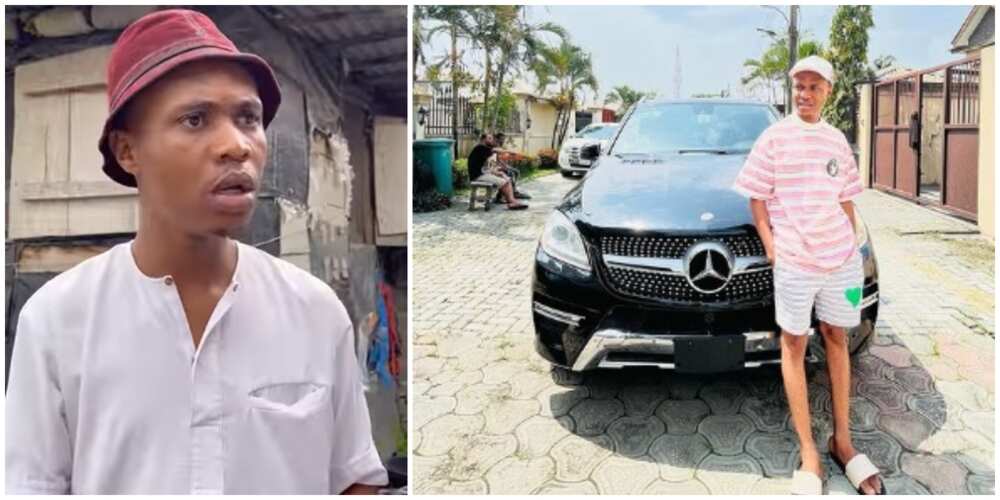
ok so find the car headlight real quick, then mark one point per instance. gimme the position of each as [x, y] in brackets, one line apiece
[561, 240]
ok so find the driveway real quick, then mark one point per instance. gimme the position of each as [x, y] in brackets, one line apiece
[488, 418]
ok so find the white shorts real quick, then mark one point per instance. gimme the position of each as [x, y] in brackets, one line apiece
[836, 294]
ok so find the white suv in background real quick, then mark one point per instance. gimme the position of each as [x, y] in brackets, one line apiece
[569, 154]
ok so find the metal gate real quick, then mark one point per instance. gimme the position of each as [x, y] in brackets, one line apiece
[925, 144]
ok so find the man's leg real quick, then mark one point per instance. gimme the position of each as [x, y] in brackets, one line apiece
[793, 372]
[838, 363]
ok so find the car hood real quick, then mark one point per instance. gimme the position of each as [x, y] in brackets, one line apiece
[665, 193]
[580, 142]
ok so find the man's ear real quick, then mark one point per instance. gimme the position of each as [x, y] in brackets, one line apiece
[121, 146]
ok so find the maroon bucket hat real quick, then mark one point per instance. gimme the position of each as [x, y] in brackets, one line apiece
[159, 42]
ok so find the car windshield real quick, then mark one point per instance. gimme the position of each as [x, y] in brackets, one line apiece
[598, 133]
[693, 127]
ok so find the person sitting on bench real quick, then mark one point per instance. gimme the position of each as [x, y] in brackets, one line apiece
[508, 170]
[478, 158]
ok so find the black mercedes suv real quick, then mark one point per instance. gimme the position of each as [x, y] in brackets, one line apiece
[653, 259]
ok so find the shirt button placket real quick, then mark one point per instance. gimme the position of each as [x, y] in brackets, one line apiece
[206, 420]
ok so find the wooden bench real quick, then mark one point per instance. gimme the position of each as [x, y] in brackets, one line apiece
[489, 190]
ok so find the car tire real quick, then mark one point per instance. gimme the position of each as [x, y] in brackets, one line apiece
[564, 377]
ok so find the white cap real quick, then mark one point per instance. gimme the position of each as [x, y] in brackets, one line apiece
[816, 64]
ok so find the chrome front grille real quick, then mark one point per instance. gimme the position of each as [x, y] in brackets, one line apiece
[574, 155]
[652, 268]
[674, 247]
[653, 285]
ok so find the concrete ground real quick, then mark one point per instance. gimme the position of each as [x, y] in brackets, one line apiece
[489, 419]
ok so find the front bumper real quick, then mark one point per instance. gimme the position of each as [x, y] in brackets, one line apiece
[580, 326]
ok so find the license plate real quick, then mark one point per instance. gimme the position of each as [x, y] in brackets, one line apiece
[709, 354]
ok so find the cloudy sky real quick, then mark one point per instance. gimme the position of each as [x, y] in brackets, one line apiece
[637, 45]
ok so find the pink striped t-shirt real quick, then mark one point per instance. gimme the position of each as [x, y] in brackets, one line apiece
[803, 171]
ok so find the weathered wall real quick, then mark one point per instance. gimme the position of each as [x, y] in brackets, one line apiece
[391, 173]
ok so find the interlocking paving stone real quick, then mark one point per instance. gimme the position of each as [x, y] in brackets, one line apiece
[478, 453]
[561, 488]
[514, 475]
[527, 384]
[691, 487]
[868, 367]
[726, 433]
[450, 487]
[885, 394]
[723, 397]
[592, 416]
[624, 476]
[939, 475]
[863, 415]
[981, 485]
[919, 344]
[679, 455]
[772, 486]
[896, 355]
[445, 389]
[682, 417]
[605, 385]
[981, 421]
[633, 435]
[427, 409]
[538, 434]
[501, 372]
[642, 399]
[819, 399]
[504, 416]
[735, 475]
[932, 407]
[767, 414]
[903, 485]
[944, 441]
[910, 428]
[425, 367]
[577, 457]
[685, 386]
[475, 398]
[978, 460]
[914, 379]
[837, 483]
[778, 454]
[557, 401]
[449, 431]
[881, 448]
[969, 395]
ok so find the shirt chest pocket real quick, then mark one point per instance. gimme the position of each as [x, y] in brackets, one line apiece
[293, 399]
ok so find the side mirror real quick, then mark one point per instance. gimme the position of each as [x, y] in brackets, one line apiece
[590, 152]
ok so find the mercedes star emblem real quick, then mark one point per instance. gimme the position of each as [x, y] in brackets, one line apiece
[708, 266]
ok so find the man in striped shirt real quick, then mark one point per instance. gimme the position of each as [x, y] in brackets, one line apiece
[800, 178]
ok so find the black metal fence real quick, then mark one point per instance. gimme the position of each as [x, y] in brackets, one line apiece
[445, 104]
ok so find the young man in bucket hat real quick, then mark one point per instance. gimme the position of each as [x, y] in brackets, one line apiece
[801, 177]
[183, 361]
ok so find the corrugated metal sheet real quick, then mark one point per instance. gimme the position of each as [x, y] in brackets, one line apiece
[372, 39]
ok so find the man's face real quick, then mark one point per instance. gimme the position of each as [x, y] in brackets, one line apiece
[195, 142]
[489, 140]
[809, 91]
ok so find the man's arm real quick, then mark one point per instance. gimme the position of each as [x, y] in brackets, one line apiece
[758, 208]
[38, 452]
[361, 489]
[848, 207]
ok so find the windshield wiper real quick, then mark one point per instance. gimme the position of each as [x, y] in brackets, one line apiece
[706, 150]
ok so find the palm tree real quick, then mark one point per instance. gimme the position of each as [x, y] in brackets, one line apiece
[627, 96]
[772, 66]
[569, 68]
[454, 21]
[518, 42]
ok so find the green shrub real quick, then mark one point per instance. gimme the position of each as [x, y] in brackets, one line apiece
[430, 201]
[548, 158]
[460, 173]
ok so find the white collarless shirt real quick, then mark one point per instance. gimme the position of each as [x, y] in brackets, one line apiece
[107, 393]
